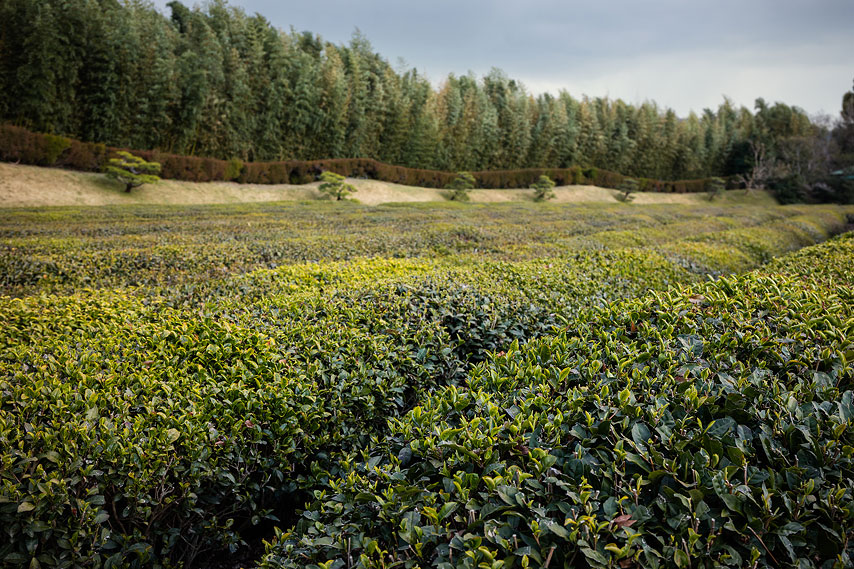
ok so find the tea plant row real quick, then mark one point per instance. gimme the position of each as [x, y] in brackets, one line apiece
[707, 426]
[160, 425]
[65, 249]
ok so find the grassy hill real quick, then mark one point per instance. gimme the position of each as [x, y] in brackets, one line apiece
[33, 186]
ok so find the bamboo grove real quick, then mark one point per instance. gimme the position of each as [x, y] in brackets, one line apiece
[214, 81]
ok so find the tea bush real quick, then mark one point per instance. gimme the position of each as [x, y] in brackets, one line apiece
[703, 427]
[65, 249]
[173, 381]
[135, 433]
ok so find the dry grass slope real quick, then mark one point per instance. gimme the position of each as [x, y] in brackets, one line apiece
[33, 186]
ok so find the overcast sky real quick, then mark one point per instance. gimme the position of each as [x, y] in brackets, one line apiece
[683, 54]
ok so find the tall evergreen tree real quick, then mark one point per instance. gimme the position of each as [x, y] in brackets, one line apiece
[213, 81]
[35, 80]
[333, 105]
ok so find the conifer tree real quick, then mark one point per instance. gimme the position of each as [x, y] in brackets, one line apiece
[211, 81]
[34, 85]
[460, 187]
[333, 105]
[132, 171]
[334, 185]
[543, 189]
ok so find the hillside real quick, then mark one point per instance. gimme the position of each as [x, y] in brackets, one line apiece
[33, 186]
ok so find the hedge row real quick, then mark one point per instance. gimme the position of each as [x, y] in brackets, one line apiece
[135, 434]
[146, 430]
[59, 250]
[708, 427]
[20, 145]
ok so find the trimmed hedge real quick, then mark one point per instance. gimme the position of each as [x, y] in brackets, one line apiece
[137, 434]
[59, 250]
[20, 145]
[708, 427]
[152, 426]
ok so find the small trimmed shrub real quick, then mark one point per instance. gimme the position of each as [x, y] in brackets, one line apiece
[234, 169]
[460, 187]
[715, 187]
[56, 145]
[132, 171]
[334, 185]
[543, 189]
[626, 188]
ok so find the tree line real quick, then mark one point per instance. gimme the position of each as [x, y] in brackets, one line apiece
[214, 81]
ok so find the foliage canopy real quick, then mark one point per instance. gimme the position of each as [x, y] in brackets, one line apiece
[626, 188]
[460, 186]
[334, 185]
[214, 81]
[132, 171]
[543, 189]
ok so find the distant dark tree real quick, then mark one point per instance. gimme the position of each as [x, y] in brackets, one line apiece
[790, 188]
[627, 187]
[848, 107]
[180, 16]
[843, 134]
[738, 160]
[715, 187]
